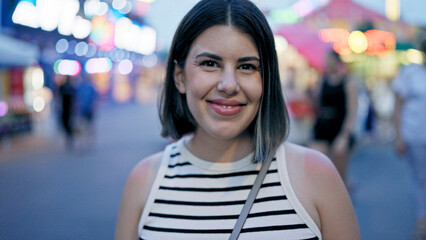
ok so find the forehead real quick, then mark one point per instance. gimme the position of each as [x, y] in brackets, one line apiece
[224, 40]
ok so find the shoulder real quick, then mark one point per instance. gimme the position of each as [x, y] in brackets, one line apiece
[313, 163]
[135, 195]
[322, 192]
[315, 172]
[141, 179]
[142, 173]
[320, 176]
[310, 172]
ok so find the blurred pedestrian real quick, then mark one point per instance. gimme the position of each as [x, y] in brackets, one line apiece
[67, 97]
[410, 119]
[336, 107]
[223, 102]
[87, 99]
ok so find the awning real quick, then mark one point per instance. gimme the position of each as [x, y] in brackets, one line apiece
[307, 43]
[15, 52]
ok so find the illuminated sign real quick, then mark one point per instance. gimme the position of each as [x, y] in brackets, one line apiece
[371, 42]
[131, 37]
[52, 14]
[67, 67]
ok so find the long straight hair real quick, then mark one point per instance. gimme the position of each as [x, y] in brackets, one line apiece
[270, 127]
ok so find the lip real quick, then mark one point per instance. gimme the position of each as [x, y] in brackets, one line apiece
[225, 107]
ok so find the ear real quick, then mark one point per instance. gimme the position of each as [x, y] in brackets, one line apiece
[179, 78]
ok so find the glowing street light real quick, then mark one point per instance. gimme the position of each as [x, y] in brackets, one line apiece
[393, 9]
[357, 42]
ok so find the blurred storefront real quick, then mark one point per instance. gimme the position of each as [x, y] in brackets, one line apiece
[18, 81]
[43, 41]
[374, 47]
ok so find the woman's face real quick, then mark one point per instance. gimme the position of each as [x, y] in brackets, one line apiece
[222, 82]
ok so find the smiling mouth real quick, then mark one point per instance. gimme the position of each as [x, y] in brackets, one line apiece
[229, 108]
[226, 106]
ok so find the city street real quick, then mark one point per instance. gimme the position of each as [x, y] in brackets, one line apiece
[47, 192]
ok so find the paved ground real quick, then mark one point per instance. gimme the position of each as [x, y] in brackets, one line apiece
[47, 192]
[381, 195]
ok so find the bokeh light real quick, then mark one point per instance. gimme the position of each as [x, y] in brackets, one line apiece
[357, 42]
[3, 108]
[91, 51]
[81, 28]
[125, 66]
[67, 67]
[37, 80]
[149, 60]
[81, 49]
[98, 65]
[414, 56]
[38, 104]
[26, 14]
[281, 44]
[61, 45]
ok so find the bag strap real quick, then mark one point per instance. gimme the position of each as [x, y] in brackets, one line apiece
[251, 197]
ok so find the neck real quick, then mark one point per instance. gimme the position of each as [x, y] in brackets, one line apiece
[219, 150]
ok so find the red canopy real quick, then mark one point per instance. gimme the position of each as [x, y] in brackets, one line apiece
[305, 39]
[307, 43]
[345, 9]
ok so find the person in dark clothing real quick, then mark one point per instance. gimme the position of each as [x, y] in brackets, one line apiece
[336, 101]
[87, 98]
[67, 97]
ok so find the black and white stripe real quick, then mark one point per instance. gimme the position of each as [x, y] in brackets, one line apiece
[193, 202]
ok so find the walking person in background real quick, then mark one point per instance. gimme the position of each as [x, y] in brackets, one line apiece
[223, 102]
[410, 119]
[336, 100]
[67, 98]
[87, 99]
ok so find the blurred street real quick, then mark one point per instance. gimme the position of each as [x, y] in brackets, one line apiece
[48, 192]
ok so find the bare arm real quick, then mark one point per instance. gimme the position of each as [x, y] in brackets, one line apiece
[331, 199]
[322, 193]
[314, 95]
[351, 106]
[134, 197]
[399, 142]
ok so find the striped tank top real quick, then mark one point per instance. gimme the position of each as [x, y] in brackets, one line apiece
[196, 199]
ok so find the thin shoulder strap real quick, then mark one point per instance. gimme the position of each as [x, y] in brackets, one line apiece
[151, 196]
[251, 197]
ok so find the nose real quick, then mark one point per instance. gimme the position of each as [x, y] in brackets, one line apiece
[228, 82]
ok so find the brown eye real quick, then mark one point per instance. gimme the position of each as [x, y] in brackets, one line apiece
[209, 63]
[248, 67]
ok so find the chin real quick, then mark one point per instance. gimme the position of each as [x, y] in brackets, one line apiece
[227, 134]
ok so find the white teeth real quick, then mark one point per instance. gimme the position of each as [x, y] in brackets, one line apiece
[227, 107]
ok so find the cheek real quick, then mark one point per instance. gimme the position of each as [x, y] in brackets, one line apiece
[198, 84]
[254, 91]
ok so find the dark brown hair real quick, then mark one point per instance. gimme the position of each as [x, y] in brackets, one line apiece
[270, 127]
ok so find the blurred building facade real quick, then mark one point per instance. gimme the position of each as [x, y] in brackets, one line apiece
[373, 45]
[43, 41]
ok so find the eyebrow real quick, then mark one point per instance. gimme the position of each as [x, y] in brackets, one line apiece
[216, 57]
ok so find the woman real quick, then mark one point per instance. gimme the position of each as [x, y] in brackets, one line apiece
[337, 107]
[410, 140]
[222, 100]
